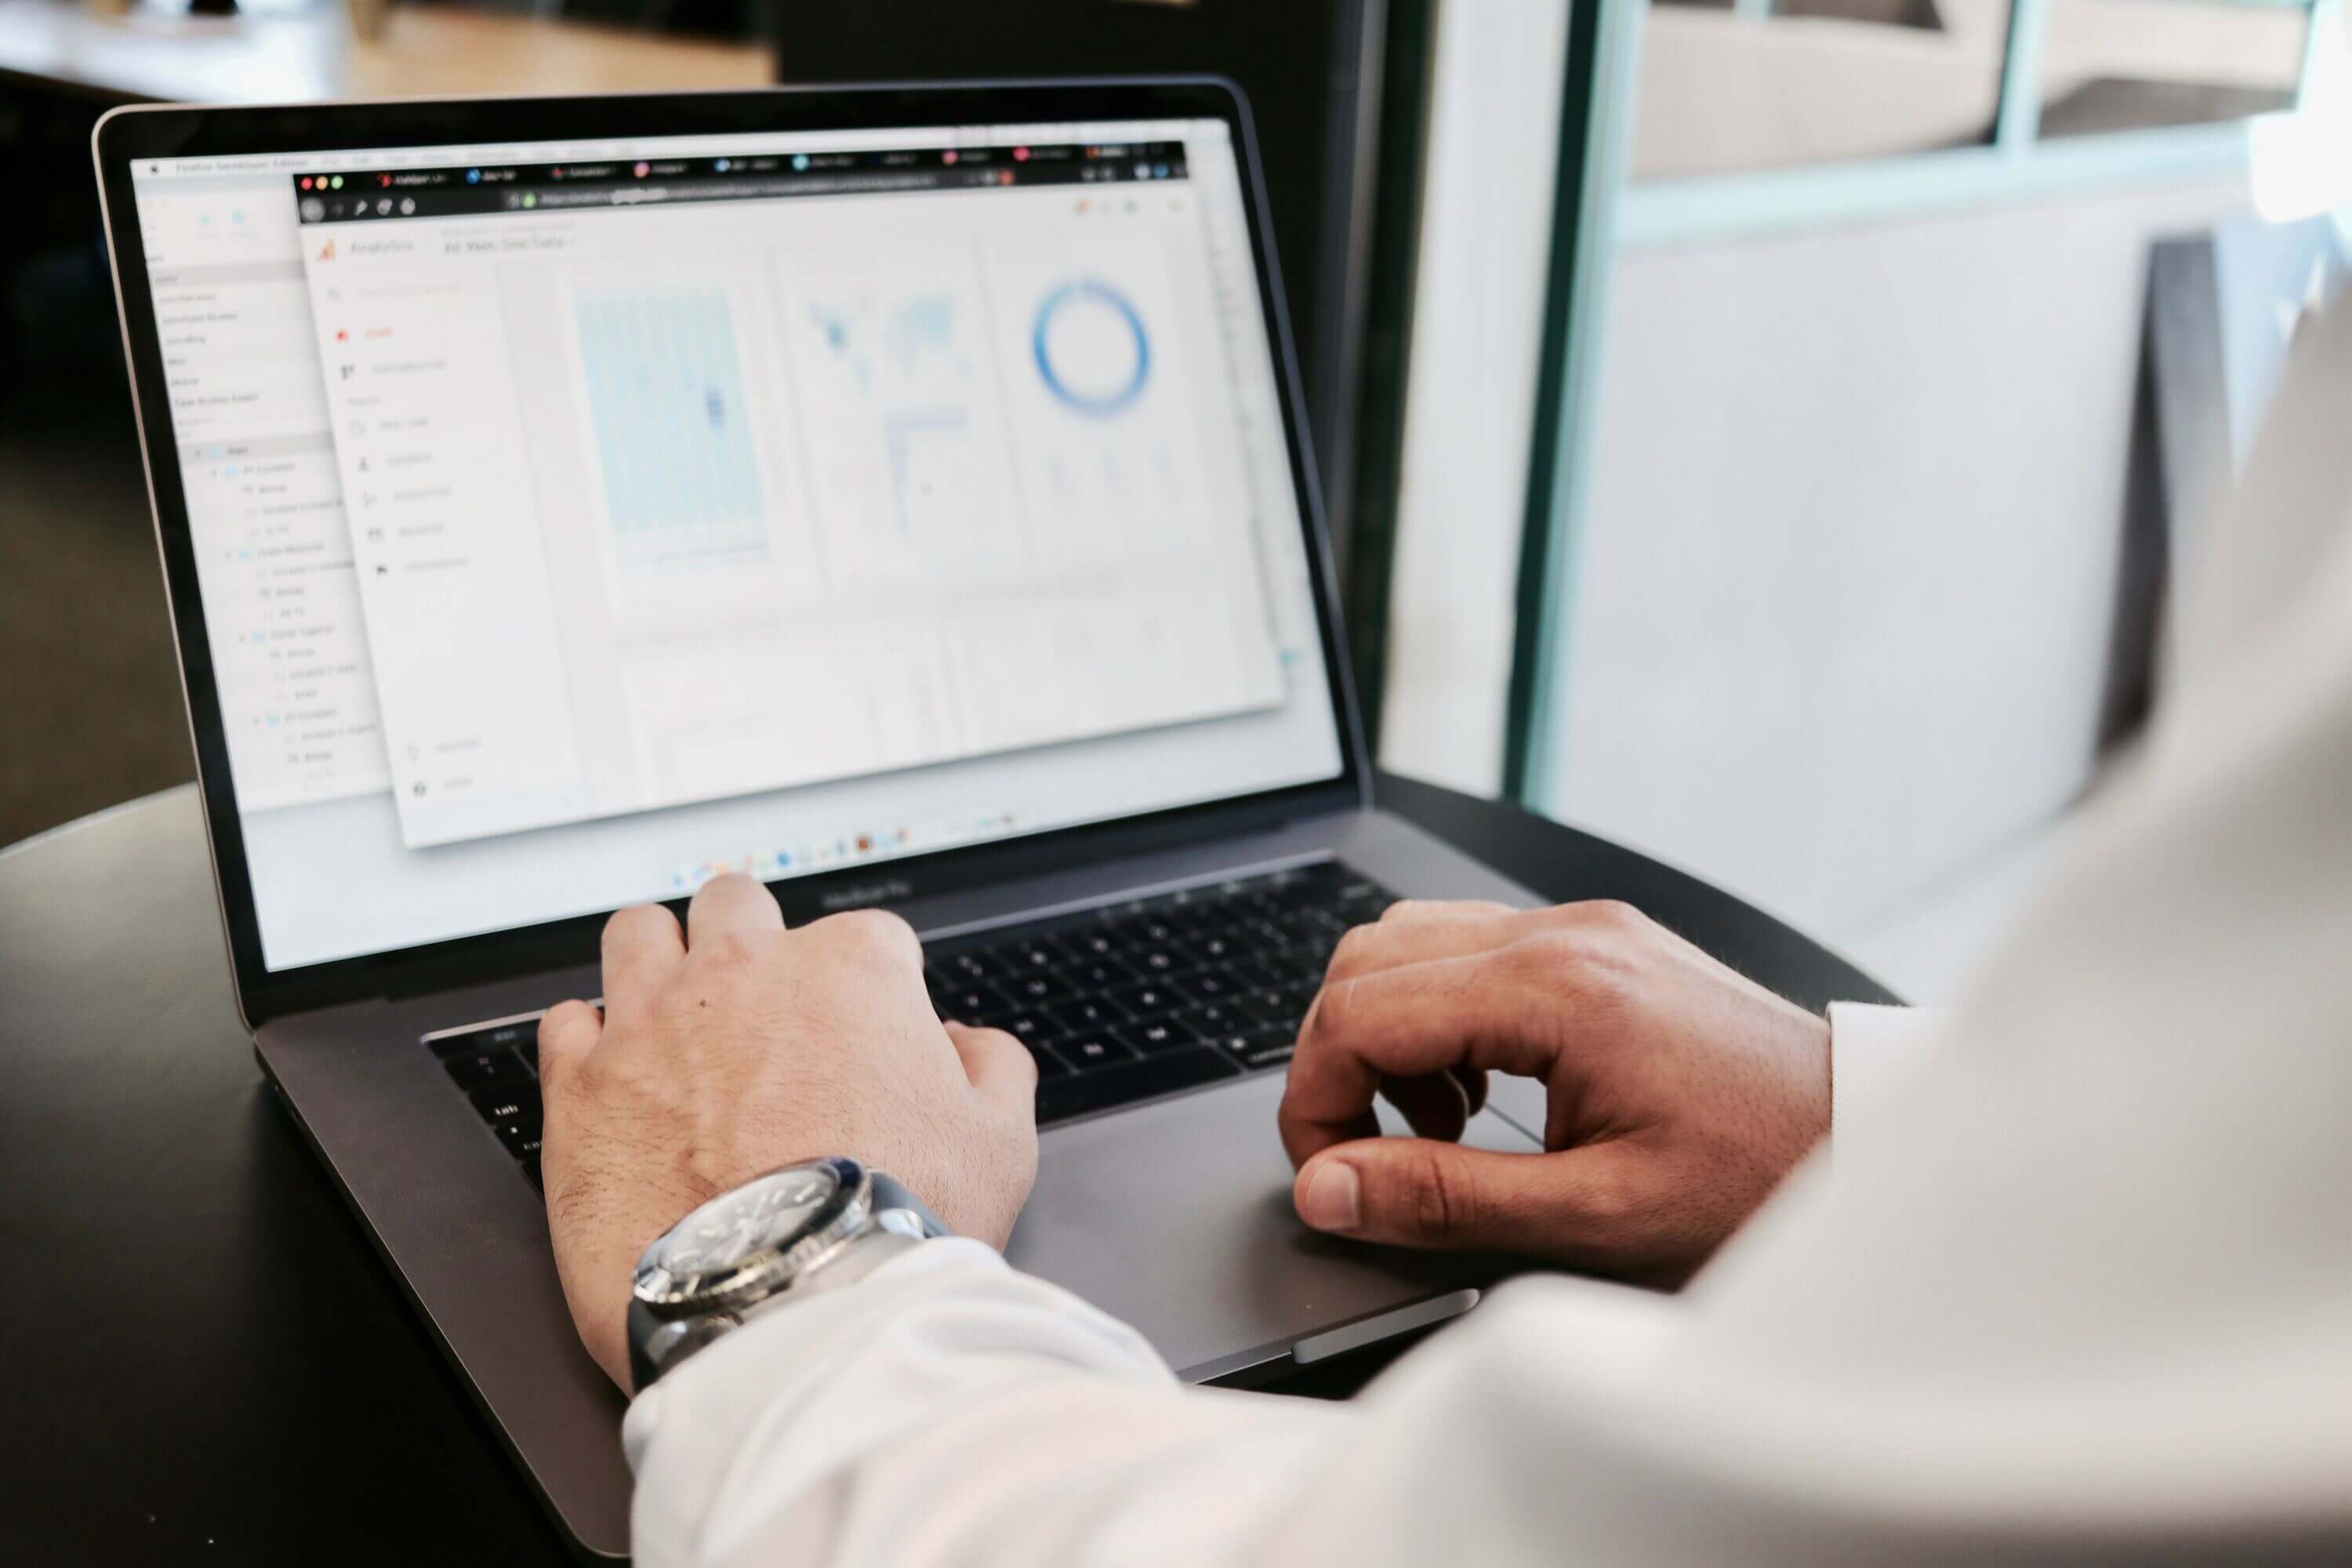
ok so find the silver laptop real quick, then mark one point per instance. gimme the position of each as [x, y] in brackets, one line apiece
[898, 494]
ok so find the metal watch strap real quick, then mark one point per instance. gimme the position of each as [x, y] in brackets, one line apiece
[643, 1327]
[893, 1207]
[890, 1193]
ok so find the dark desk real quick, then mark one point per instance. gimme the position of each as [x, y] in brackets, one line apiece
[203, 1351]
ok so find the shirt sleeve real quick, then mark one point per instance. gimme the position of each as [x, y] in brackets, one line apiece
[949, 1408]
[1872, 1051]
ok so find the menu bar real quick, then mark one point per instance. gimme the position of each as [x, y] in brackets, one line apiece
[632, 148]
[371, 195]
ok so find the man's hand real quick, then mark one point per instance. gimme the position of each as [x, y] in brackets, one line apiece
[1680, 1093]
[734, 1047]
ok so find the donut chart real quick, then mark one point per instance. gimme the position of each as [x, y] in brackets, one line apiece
[1091, 348]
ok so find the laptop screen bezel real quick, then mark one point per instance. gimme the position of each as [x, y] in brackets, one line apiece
[126, 136]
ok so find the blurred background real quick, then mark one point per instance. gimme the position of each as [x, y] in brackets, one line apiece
[1763, 431]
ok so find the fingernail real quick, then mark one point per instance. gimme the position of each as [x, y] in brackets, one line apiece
[1329, 1202]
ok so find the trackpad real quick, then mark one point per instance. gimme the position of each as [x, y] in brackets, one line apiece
[1177, 1218]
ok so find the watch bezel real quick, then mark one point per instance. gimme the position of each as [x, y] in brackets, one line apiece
[842, 1218]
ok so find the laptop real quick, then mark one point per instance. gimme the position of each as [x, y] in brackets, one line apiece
[900, 494]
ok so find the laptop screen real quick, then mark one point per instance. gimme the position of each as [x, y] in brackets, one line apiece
[577, 521]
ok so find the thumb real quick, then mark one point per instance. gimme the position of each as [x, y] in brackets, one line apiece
[1420, 1192]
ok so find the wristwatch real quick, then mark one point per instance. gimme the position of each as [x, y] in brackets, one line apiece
[797, 1230]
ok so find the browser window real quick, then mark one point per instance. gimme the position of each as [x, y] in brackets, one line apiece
[763, 503]
[741, 477]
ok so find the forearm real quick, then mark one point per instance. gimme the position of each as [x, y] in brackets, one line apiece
[949, 1408]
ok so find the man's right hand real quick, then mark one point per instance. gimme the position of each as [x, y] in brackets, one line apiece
[1679, 1091]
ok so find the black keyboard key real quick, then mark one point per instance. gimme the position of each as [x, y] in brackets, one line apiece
[1157, 1035]
[482, 1070]
[1329, 882]
[531, 1173]
[1262, 937]
[1264, 972]
[1092, 1050]
[500, 1036]
[1211, 949]
[1085, 946]
[1217, 1018]
[521, 1137]
[1032, 990]
[1098, 974]
[1026, 1027]
[1328, 919]
[530, 1054]
[1213, 984]
[1048, 1064]
[1148, 929]
[1271, 1049]
[964, 968]
[1086, 1014]
[1314, 952]
[1161, 962]
[1187, 914]
[1152, 999]
[968, 999]
[1287, 890]
[1028, 956]
[1285, 1005]
[1111, 1085]
[1299, 965]
[502, 1104]
[1310, 921]
[1256, 1048]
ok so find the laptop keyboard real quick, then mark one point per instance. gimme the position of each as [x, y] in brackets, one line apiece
[496, 1065]
[1147, 995]
[1120, 1003]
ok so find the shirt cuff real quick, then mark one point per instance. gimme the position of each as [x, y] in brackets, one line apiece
[773, 1419]
[728, 1382]
[1871, 1051]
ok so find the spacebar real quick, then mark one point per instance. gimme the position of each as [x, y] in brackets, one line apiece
[1061, 1096]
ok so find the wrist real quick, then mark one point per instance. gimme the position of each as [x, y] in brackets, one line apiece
[780, 1237]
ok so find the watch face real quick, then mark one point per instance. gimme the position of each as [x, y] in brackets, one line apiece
[710, 1248]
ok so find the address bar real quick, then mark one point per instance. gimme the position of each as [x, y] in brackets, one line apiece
[737, 190]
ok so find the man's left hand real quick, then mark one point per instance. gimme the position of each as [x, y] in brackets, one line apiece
[733, 1046]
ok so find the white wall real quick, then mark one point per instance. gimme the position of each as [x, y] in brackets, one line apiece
[1841, 604]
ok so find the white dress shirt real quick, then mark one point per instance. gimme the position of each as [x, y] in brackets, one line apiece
[2073, 1285]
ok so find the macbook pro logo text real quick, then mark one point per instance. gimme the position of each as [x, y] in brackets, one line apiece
[859, 895]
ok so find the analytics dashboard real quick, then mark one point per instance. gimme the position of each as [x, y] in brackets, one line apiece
[576, 520]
